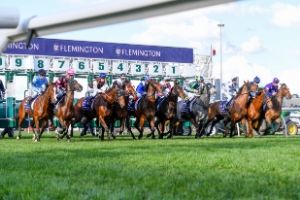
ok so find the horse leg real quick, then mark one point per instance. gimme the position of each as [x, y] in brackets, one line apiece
[250, 128]
[104, 127]
[141, 126]
[37, 130]
[152, 127]
[43, 127]
[21, 117]
[156, 126]
[127, 121]
[122, 126]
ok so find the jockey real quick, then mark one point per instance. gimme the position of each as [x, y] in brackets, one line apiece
[121, 79]
[98, 86]
[38, 86]
[196, 87]
[141, 88]
[271, 90]
[233, 88]
[62, 83]
[2, 90]
[166, 86]
[255, 81]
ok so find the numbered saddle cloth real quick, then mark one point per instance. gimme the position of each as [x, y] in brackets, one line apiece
[87, 103]
[223, 107]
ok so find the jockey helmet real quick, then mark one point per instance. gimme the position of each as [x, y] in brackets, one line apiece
[42, 72]
[234, 79]
[71, 72]
[256, 79]
[276, 80]
[201, 78]
[146, 78]
[102, 75]
[167, 78]
[123, 76]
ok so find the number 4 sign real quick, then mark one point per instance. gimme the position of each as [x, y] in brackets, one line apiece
[120, 67]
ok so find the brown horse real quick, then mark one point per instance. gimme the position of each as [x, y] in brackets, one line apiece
[254, 112]
[146, 108]
[22, 113]
[43, 110]
[273, 114]
[65, 109]
[236, 112]
[167, 110]
[101, 108]
[121, 113]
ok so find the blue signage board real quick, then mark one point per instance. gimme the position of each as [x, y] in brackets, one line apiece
[71, 48]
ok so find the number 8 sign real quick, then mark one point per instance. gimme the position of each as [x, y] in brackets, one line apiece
[41, 63]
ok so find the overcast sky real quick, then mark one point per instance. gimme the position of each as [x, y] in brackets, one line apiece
[260, 37]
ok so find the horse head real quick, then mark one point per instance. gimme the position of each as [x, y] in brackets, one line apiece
[51, 92]
[74, 85]
[116, 94]
[178, 91]
[248, 88]
[284, 91]
[154, 86]
[129, 89]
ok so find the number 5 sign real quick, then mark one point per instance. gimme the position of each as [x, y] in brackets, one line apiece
[60, 64]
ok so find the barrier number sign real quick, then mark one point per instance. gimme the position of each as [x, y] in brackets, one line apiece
[17, 62]
[60, 64]
[120, 67]
[100, 66]
[155, 69]
[41, 63]
[81, 65]
[138, 68]
[2, 62]
[172, 70]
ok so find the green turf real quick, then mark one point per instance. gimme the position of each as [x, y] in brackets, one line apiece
[182, 168]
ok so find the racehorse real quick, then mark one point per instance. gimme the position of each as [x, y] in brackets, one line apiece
[197, 110]
[273, 113]
[65, 109]
[101, 108]
[22, 113]
[167, 109]
[43, 110]
[236, 112]
[121, 113]
[145, 110]
[254, 112]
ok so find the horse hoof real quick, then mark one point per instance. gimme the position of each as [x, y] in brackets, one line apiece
[18, 137]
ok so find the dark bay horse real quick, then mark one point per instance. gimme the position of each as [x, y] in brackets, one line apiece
[167, 109]
[119, 113]
[145, 109]
[43, 110]
[198, 110]
[65, 109]
[273, 114]
[236, 112]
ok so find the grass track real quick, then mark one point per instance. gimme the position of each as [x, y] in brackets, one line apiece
[182, 168]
